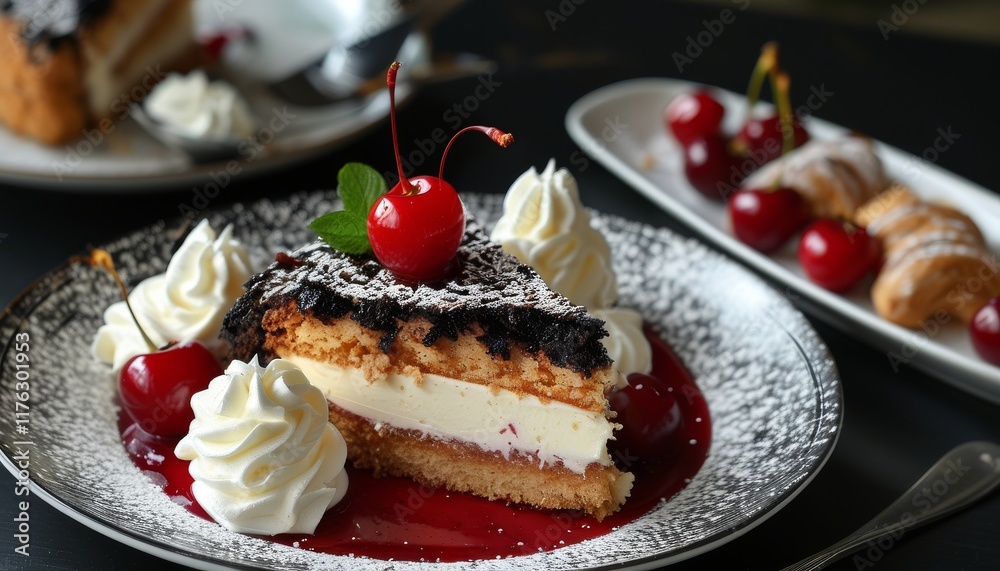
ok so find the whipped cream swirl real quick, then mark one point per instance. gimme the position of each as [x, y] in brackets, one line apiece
[187, 303]
[264, 457]
[192, 105]
[626, 344]
[545, 225]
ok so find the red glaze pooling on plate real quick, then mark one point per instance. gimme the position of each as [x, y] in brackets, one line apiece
[396, 518]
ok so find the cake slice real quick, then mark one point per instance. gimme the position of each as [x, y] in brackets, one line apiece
[488, 383]
[68, 64]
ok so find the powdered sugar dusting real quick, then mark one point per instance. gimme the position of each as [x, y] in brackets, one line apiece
[491, 290]
[771, 386]
[365, 280]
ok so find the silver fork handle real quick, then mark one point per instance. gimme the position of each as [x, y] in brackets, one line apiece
[961, 477]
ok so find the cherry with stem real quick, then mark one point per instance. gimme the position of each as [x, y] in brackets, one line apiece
[765, 139]
[415, 229]
[156, 387]
[102, 258]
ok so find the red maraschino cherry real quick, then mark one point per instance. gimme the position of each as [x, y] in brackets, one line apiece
[837, 255]
[985, 331]
[767, 138]
[762, 137]
[765, 218]
[709, 166]
[715, 163]
[415, 229]
[696, 114]
[156, 387]
[650, 418]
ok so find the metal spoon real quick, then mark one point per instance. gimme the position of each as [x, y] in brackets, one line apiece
[961, 477]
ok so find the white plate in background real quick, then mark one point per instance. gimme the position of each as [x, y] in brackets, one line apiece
[124, 158]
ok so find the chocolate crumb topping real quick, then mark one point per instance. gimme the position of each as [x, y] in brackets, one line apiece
[509, 301]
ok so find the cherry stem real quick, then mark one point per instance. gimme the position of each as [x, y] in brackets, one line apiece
[499, 137]
[783, 100]
[766, 64]
[102, 258]
[390, 81]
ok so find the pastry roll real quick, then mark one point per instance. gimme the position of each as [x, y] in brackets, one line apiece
[937, 263]
[834, 176]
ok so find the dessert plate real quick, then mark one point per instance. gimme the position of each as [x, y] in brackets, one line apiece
[640, 152]
[124, 158]
[769, 381]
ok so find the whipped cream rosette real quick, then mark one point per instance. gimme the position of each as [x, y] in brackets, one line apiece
[264, 458]
[545, 225]
[195, 106]
[187, 303]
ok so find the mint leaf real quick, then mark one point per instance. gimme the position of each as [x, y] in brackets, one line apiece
[359, 186]
[344, 231]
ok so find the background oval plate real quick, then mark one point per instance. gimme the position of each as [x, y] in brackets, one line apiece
[648, 159]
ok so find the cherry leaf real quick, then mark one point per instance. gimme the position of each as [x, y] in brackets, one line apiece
[358, 186]
[344, 231]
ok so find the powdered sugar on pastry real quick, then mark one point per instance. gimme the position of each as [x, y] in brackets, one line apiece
[936, 260]
[835, 176]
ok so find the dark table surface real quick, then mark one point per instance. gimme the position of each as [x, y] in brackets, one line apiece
[900, 90]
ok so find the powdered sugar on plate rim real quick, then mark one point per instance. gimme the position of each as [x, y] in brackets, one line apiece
[769, 381]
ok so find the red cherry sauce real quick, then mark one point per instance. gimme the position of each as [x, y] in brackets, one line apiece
[396, 518]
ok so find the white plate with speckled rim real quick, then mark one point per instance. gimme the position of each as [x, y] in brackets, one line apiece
[771, 386]
[640, 152]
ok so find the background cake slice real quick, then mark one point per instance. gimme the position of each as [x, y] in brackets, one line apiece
[488, 383]
[70, 63]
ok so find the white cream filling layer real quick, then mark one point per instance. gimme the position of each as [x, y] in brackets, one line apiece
[495, 420]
